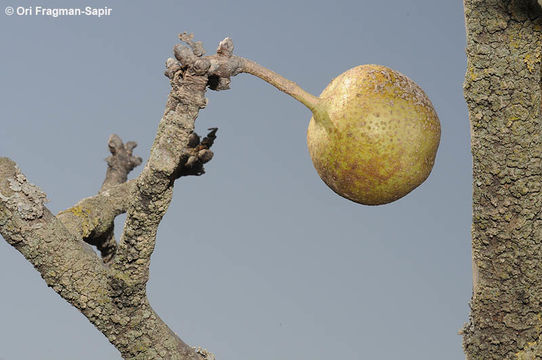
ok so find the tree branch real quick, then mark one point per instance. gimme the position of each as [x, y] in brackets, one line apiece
[92, 219]
[66, 263]
[114, 297]
[120, 163]
[176, 151]
[75, 272]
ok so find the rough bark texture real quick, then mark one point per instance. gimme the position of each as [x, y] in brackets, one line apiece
[93, 218]
[111, 291]
[503, 93]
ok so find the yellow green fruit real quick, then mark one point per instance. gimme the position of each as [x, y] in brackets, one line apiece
[374, 135]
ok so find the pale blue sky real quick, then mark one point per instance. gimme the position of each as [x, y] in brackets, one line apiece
[257, 259]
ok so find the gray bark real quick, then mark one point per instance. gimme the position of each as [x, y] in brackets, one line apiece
[503, 93]
[111, 290]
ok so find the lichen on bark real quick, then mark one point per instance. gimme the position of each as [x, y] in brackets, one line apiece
[503, 93]
[110, 290]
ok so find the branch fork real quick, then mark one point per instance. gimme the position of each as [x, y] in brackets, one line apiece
[111, 290]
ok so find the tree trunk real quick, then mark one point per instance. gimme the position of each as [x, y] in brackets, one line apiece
[503, 92]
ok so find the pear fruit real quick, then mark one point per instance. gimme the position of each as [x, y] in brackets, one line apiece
[374, 135]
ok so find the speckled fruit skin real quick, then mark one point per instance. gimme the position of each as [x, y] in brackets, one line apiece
[374, 135]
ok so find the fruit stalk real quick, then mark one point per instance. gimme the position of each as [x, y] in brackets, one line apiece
[281, 83]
